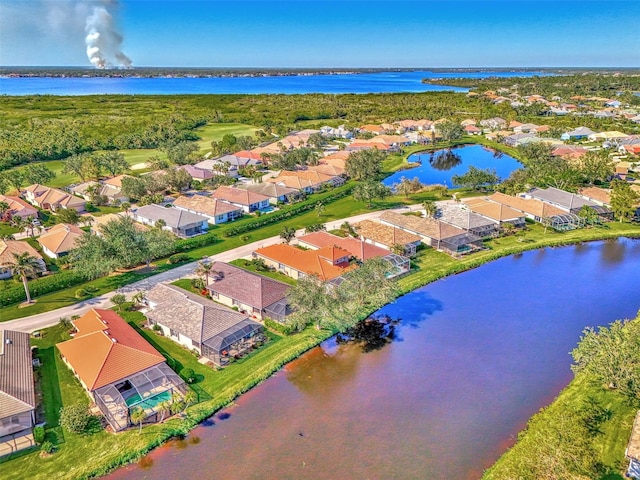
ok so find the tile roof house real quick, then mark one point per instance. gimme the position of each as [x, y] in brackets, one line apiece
[495, 211]
[17, 208]
[434, 233]
[243, 158]
[579, 133]
[52, 199]
[327, 263]
[531, 208]
[58, 240]
[247, 200]
[215, 210]
[275, 192]
[118, 368]
[216, 332]
[9, 248]
[17, 392]
[569, 151]
[254, 294]
[198, 174]
[111, 192]
[180, 222]
[601, 196]
[569, 202]
[386, 236]
[459, 215]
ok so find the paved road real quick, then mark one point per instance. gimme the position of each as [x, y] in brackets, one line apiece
[46, 319]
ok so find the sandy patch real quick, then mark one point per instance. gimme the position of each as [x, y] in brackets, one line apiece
[139, 166]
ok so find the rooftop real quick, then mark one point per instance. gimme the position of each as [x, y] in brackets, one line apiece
[60, 238]
[356, 247]
[384, 234]
[238, 195]
[17, 392]
[206, 205]
[174, 217]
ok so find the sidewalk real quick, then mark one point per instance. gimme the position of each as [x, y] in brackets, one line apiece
[47, 319]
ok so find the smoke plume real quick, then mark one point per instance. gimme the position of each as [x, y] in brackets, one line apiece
[102, 38]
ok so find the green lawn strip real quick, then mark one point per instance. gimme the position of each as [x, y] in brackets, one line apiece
[247, 265]
[215, 132]
[82, 456]
[609, 446]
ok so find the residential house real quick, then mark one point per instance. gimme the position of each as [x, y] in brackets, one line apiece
[214, 331]
[98, 222]
[374, 129]
[569, 202]
[58, 240]
[9, 248]
[17, 208]
[327, 263]
[571, 152]
[359, 145]
[215, 210]
[218, 167]
[277, 193]
[463, 217]
[387, 237]
[247, 200]
[580, 133]
[358, 248]
[242, 159]
[253, 294]
[632, 452]
[518, 139]
[180, 222]
[472, 130]
[495, 123]
[308, 180]
[340, 132]
[120, 371]
[17, 392]
[434, 233]
[495, 211]
[604, 136]
[110, 192]
[531, 208]
[196, 173]
[52, 199]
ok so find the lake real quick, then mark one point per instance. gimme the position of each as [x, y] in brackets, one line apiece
[439, 170]
[378, 82]
[476, 355]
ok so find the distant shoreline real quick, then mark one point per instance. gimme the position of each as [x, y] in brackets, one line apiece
[205, 72]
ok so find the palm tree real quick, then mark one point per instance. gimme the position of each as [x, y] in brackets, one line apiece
[320, 208]
[164, 408]
[4, 208]
[160, 224]
[430, 208]
[204, 270]
[7, 236]
[137, 416]
[26, 266]
[125, 206]
[190, 398]
[287, 233]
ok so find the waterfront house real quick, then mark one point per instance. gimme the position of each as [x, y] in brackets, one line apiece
[461, 216]
[358, 249]
[17, 208]
[216, 211]
[387, 237]
[569, 202]
[247, 200]
[181, 223]
[214, 331]
[253, 294]
[495, 211]
[531, 208]
[9, 248]
[276, 192]
[518, 139]
[434, 233]
[118, 368]
[58, 240]
[327, 263]
[52, 199]
[17, 392]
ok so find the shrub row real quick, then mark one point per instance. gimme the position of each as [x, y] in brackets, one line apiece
[278, 327]
[186, 244]
[286, 213]
[41, 286]
[177, 258]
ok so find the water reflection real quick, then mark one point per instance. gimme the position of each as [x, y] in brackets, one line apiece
[445, 160]
[613, 252]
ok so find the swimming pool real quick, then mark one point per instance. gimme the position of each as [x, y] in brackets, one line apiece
[150, 402]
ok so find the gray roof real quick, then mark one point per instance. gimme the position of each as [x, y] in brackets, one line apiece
[561, 198]
[580, 131]
[193, 316]
[17, 393]
[463, 217]
[174, 217]
[249, 288]
[239, 161]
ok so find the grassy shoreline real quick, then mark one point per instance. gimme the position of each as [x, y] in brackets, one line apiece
[101, 453]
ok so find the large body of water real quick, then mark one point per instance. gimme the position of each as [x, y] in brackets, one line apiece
[379, 82]
[478, 353]
[435, 169]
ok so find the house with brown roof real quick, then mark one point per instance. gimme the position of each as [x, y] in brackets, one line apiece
[59, 239]
[358, 249]
[111, 192]
[253, 294]
[327, 263]
[215, 210]
[214, 331]
[313, 179]
[196, 173]
[434, 233]
[10, 248]
[17, 208]
[531, 208]
[247, 200]
[459, 215]
[497, 212]
[276, 192]
[386, 236]
[17, 392]
[52, 199]
[118, 368]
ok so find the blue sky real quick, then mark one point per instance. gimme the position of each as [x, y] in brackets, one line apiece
[325, 33]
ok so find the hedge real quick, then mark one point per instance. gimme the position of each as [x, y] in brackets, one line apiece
[41, 286]
[195, 242]
[286, 213]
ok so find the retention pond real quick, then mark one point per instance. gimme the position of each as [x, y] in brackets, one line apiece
[476, 355]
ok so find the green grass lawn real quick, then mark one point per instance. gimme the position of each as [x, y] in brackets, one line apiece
[80, 456]
[215, 132]
[247, 265]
